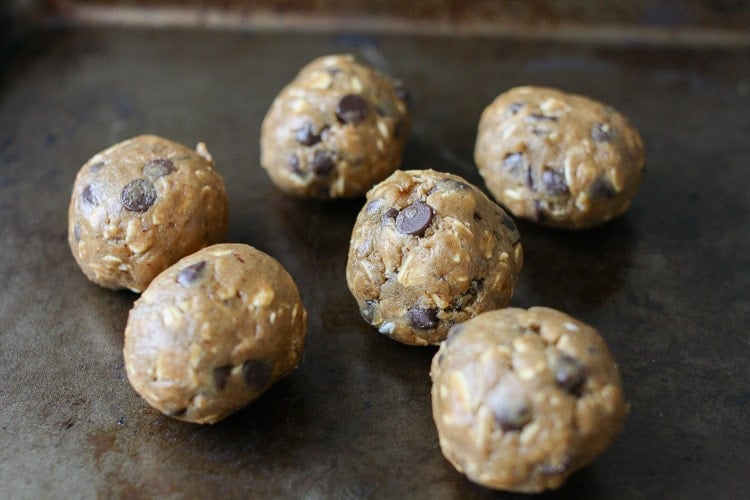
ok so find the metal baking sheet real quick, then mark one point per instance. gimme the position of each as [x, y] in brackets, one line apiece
[667, 284]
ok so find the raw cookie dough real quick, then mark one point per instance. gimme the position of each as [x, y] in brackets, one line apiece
[559, 159]
[338, 128]
[523, 398]
[141, 205]
[429, 250]
[213, 332]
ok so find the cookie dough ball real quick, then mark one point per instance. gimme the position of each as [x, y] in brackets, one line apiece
[338, 128]
[213, 332]
[141, 205]
[559, 159]
[429, 250]
[523, 398]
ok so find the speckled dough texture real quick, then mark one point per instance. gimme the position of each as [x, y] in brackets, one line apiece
[523, 398]
[428, 250]
[213, 332]
[338, 128]
[561, 160]
[139, 206]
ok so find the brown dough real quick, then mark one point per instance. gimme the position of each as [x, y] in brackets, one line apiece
[213, 332]
[428, 250]
[139, 206]
[338, 128]
[561, 160]
[523, 398]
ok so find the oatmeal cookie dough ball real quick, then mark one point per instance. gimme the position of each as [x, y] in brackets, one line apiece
[140, 206]
[559, 159]
[523, 398]
[338, 128]
[429, 250]
[213, 332]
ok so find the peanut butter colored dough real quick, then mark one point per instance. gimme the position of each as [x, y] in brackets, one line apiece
[213, 332]
[428, 250]
[139, 206]
[338, 128]
[523, 398]
[561, 160]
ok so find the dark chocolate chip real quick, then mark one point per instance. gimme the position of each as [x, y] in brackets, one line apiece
[541, 117]
[368, 311]
[307, 136]
[601, 132]
[602, 189]
[424, 319]
[391, 213]
[138, 195]
[550, 469]
[77, 232]
[450, 185]
[414, 219]
[178, 413]
[221, 374]
[554, 182]
[322, 163]
[477, 217]
[88, 195]
[401, 91]
[190, 274]
[476, 285]
[514, 161]
[569, 372]
[256, 373]
[294, 166]
[512, 413]
[352, 109]
[158, 168]
[515, 107]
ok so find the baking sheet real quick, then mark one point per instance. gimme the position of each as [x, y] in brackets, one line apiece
[667, 284]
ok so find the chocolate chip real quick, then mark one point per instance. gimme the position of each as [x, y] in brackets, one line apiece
[221, 374]
[178, 413]
[450, 185]
[550, 469]
[424, 319]
[514, 161]
[256, 373]
[322, 163]
[307, 136]
[541, 117]
[391, 213]
[368, 311]
[602, 189]
[515, 107]
[77, 232]
[401, 92]
[477, 217]
[294, 166]
[540, 213]
[476, 285]
[352, 109]
[569, 372]
[158, 168]
[512, 412]
[190, 274]
[138, 195]
[414, 219]
[554, 182]
[88, 196]
[602, 132]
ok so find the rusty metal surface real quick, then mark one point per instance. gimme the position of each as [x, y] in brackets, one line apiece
[667, 284]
